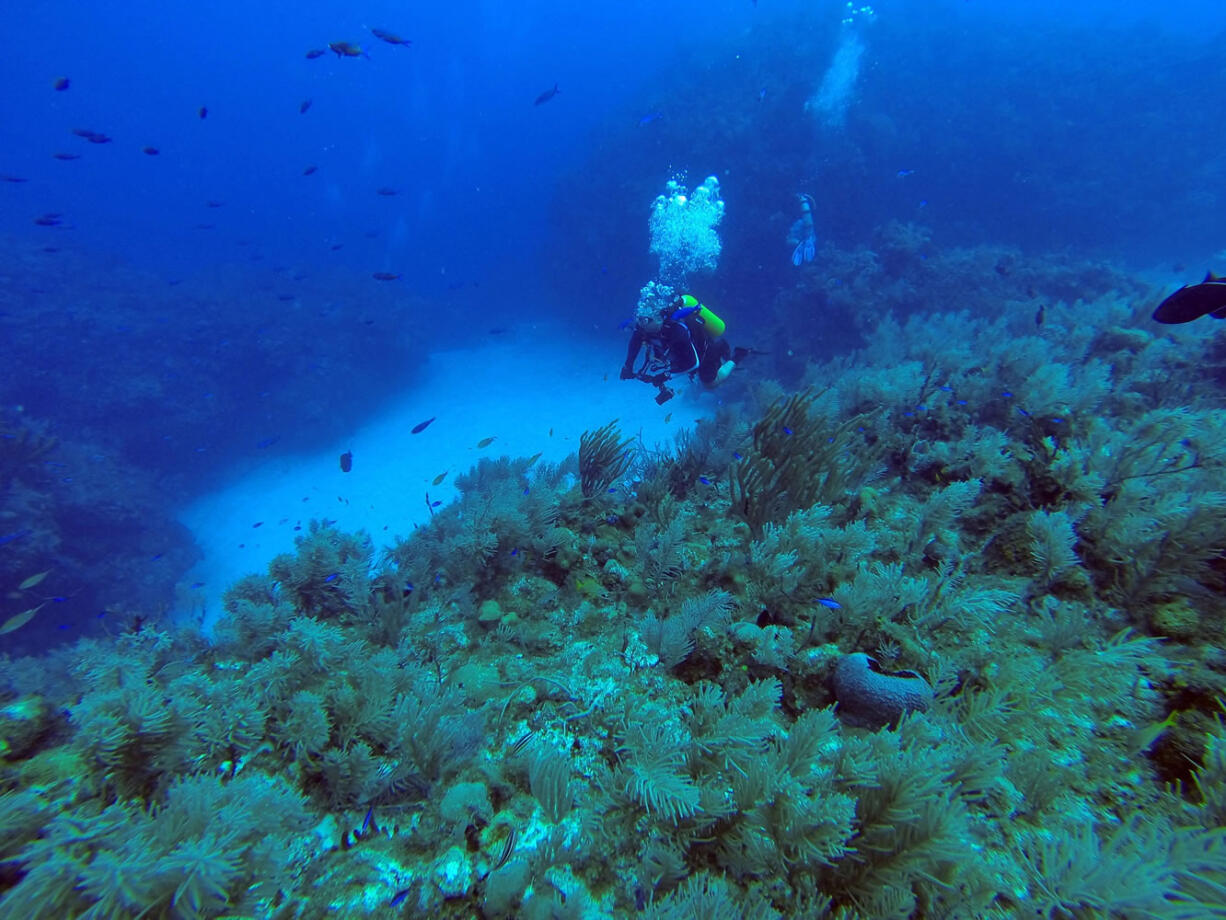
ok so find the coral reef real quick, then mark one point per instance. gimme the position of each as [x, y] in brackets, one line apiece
[604, 688]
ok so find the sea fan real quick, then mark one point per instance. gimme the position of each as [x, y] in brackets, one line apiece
[1052, 538]
[549, 778]
[205, 870]
[655, 779]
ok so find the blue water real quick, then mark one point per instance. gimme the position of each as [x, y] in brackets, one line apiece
[193, 326]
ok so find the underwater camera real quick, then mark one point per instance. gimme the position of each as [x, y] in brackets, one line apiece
[664, 395]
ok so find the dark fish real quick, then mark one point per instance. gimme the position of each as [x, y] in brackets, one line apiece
[98, 139]
[150, 151]
[258, 524]
[335, 246]
[438, 480]
[83, 132]
[346, 461]
[10, 178]
[213, 204]
[400, 897]
[390, 37]
[345, 49]
[547, 95]
[67, 156]
[385, 276]
[419, 428]
[649, 118]
[203, 111]
[48, 220]
[309, 170]
[485, 442]
[315, 53]
[1038, 315]
[62, 84]
[1192, 301]
[386, 191]
[303, 106]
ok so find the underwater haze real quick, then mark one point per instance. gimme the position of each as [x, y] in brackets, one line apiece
[754, 458]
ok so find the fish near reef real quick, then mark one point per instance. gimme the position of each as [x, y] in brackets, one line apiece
[386, 276]
[422, 426]
[345, 49]
[315, 53]
[346, 461]
[1192, 301]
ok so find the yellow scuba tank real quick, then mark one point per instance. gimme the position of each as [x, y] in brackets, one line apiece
[711, 324]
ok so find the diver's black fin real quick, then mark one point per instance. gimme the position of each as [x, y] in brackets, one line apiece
[1219, 314]
[1210, 276]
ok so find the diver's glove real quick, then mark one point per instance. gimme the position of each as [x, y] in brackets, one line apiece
[627, 372]
[723, 373]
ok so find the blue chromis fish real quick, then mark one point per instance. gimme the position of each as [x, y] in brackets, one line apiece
[422, 426]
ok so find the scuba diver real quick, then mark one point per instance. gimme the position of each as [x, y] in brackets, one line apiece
[803, 233]
[683, 338]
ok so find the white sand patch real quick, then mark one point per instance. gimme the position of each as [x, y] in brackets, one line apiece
[534, 392]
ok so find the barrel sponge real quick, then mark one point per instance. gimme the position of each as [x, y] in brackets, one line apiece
[871, 697]
[683, 229]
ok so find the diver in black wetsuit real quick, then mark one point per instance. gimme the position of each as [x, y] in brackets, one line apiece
[686, 339]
